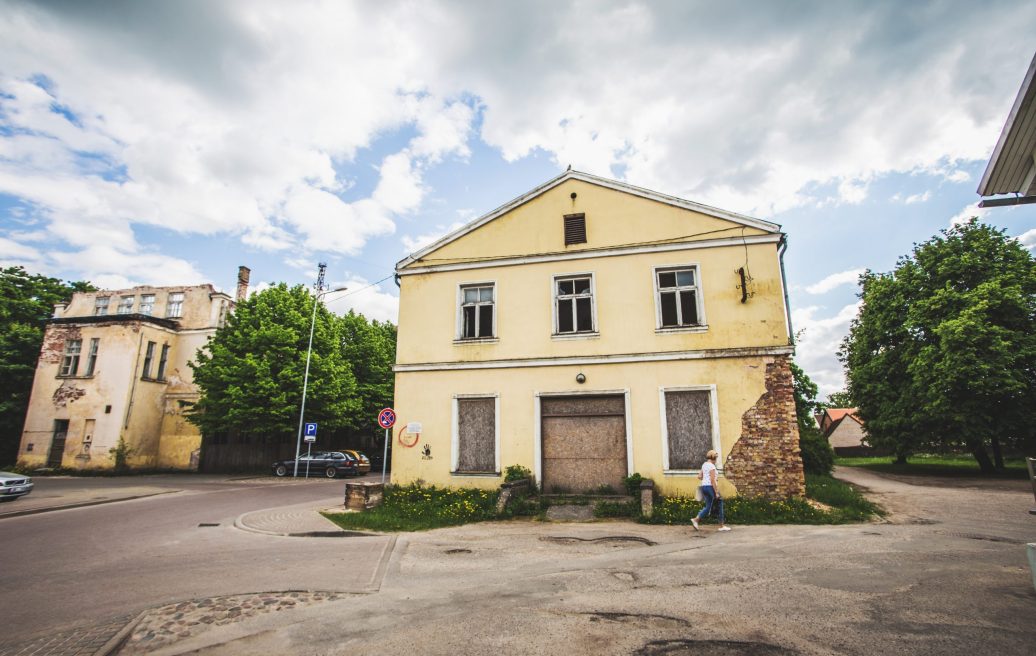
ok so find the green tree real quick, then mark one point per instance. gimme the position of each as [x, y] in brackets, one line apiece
[817, 455]
[26, 302]
[370, 349]
[839, 399]
[251, 371]
[943, 353]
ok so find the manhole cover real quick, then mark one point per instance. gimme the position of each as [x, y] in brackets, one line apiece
[986, 538]
[712, 648]
[607, 538]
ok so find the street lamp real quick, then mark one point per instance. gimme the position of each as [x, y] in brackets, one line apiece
[305, 379]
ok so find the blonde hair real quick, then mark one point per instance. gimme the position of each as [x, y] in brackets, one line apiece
[712, 454]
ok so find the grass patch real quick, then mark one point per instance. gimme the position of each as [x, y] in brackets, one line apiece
[936, 465]
[415, 507]
[848, 506]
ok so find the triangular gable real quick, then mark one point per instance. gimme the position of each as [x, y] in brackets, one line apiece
[615, 185]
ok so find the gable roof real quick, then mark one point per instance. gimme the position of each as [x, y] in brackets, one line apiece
[616, 185]
[839, 415]
[1011, 168]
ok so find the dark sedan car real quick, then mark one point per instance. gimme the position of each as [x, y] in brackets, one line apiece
[321, 463]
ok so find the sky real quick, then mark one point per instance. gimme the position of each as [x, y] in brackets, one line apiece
[166, 143]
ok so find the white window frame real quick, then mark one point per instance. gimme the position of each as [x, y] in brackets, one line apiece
[170, 304]
[455, 436]
[99, 309]
[146, 307]
[555, 333]
[537, 412]
[70, 359]
[459, 337]
[91, 357]
[699, 299]
[713, 410]
[124, 307]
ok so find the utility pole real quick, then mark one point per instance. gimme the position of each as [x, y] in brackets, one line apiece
[309, 352]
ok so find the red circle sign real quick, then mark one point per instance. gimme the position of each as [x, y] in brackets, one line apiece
[387, 418]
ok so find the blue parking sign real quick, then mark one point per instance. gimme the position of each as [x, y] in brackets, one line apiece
[311, 432]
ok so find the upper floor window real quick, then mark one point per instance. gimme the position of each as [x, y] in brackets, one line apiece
[477, 310]
[149, 357]
[679, 297]
[573, 304]
[126, 304]
[174, 305]
[91, 358]
[70, 361]
[147, 303]
[162, 362]
[101, 305]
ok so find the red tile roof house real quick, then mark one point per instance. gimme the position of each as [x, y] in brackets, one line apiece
[845, 431]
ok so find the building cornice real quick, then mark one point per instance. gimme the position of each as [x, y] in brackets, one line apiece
[620, 358]
[172, 324]
[592, 254]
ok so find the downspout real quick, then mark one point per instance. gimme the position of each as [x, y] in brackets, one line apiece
[782, 246]
[133, 384]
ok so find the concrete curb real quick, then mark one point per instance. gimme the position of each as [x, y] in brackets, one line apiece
[239, 523]
[83, 504]
[116, 642]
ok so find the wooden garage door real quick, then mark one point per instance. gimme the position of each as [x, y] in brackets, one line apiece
[584, 443]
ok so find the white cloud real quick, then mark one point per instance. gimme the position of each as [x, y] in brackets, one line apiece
[1028, 239]
[414, 244]
[918, 198]
[819, 339]
[243, 118]
[834, 280]
[972, 210]
[367, 299]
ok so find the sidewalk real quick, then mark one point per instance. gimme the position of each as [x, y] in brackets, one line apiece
[36, 502]
[300, 520]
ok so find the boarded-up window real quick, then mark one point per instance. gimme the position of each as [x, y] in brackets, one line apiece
[689, 423]
[575, 229]
[476, 435]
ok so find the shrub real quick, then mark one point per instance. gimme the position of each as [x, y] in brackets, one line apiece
[516, 473]
[817, 455]
[632, 483]
[415, 507]
[617, 509]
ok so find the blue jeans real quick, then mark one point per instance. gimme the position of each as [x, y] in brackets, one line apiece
[709, 493]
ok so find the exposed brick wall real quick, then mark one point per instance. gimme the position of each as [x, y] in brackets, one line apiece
[766, 460]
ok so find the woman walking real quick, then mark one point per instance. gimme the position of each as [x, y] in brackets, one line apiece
[710, 490]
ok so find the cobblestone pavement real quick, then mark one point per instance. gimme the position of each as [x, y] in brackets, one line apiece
[167, 624]
[76, 642]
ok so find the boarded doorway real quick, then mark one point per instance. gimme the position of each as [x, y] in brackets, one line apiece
[584, 443]
[57, 444]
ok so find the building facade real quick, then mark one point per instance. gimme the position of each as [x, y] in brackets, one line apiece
[590, 329]
[112, 381]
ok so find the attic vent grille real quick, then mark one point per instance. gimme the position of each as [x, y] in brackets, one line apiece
[575, 229]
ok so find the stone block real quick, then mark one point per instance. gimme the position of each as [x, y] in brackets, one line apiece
[363, 496]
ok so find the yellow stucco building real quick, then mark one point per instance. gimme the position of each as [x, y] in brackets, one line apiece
[590, 329]
[113, 366]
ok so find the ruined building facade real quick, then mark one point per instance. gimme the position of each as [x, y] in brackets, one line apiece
[112, 382]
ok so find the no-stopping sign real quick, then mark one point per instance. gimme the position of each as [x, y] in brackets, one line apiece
[387, 418]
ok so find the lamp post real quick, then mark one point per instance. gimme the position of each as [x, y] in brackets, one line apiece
[309, 353]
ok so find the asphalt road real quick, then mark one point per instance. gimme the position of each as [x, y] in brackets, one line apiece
[83, 566]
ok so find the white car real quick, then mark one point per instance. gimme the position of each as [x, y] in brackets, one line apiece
[13, 486]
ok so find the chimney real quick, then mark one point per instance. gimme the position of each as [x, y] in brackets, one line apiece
[242, 283]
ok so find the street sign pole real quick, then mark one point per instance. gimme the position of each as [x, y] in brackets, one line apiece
[384, 458]
[386, 419]
[309, 451]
